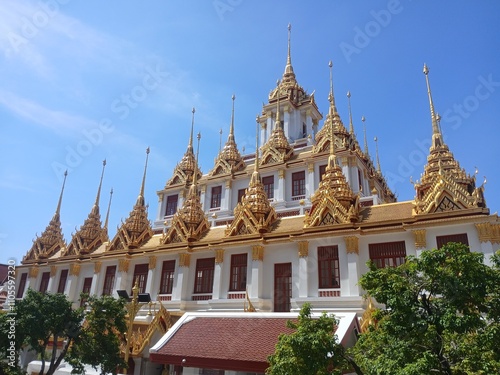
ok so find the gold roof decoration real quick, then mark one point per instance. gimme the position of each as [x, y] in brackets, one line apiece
[333, 202]
[136, 229]
[91, 235]
[184, 170]
[229, 159]
[444, 185]
[254, 214]
[277, 149]
[368, 319]
[51, 240]
[342, 138]
[190, 222]
[289, 88]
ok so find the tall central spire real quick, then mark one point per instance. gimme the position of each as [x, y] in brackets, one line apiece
[190, 144]
[98, 196]
[58, 209]
[140, 198]
[288, 67]
[332, 160]
[437, 137]
[331, 98]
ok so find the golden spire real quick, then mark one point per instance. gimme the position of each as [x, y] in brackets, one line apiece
[331, 98]
[183, 172]
[229, 159]
[332, 160]
[58, 209]
[363, 119]
[437, 137]
[136, 229]
[288, 67]
[376, 153]
[277, 122]
[91, 234]
[253, 214]
[189, 223]
[51, 240]
[351, 126]
[109, 208]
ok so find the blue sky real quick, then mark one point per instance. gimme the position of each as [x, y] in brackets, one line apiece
[87, 81]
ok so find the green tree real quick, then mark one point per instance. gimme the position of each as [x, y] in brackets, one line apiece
[99, 343]
[43, 319]
[90, 335]
[441, 316]
[312, 349]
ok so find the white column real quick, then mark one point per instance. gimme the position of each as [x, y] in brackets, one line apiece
[180, 290]
[162, 199]
[281, 194]
[226, 204]
[122, 277]
[488, 251]
[309, 125]
[353, 272]
[219, 262]
[310, 188]
[255, 290]
[303, 269]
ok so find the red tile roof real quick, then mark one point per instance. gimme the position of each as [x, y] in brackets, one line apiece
[223, 343]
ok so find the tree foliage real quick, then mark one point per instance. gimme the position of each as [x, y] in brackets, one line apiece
[441, 316]
[312, 349]
[89, 335]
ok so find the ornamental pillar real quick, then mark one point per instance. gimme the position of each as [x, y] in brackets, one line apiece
[257, 271]
[122, 274]
[420, 240]
[353, 273]
[303, 268]
[151, 274]
[180, 291]
[217, 285]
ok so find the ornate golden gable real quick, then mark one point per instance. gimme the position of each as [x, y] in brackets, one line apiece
[190, 222]
[136, 229]
[51, 239]
[229, 159]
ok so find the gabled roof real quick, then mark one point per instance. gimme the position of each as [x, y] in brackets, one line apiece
[230, 341]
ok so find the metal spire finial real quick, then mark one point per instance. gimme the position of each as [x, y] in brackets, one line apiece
[220, 140]
[195, 176]
[97, 198]
[256, 166]
[58, 209]
[376, 153]
[351, 126]
[289, 68]
[109, 208]
[190, 145]
[435, 126]
[363, 119]
[141, 194]
[231, 128]
[278, 122]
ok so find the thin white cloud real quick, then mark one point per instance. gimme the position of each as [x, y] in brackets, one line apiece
[55, 120]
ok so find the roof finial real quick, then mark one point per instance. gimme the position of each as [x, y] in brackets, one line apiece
[109, 208]
[436, 133]
[289, 68]
[58, 209]
[256, 166]
[278, 122]
[198, 137]
[376, 153]
[231, 128]
[190, 145]
[100, 184]
[351, 126]
[364, 131]
[331, 98]
[141, 194]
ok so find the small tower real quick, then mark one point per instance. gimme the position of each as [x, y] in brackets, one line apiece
[91, 234]
[229, 159]
[189, 224]
[186, 168]
[254, 214]
[444, 185]
[136, 229]
[51, 240]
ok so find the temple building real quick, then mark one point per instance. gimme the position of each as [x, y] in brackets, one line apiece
[244, 245]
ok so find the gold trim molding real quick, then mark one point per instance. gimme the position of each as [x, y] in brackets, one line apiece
[352, 244]
[420, 239]
[303, 249]
[219, 256]
[184, 259]
[281, 173]
[123, 265]
[97, 266]
[33, 272]
[74, 269]
[152, 262]
[488, 232]
[53, 271]
[258, 252]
